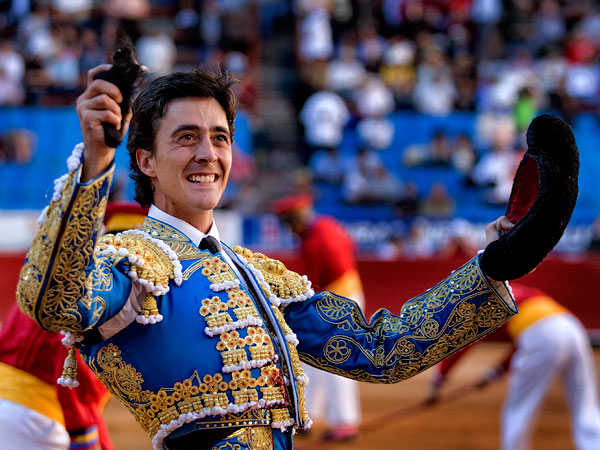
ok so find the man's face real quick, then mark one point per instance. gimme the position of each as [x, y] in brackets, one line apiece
[191, 161]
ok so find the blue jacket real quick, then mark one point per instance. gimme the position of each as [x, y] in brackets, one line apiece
[189, 342]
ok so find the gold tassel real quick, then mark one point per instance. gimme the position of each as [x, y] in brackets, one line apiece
[149, 313]
[69, 373]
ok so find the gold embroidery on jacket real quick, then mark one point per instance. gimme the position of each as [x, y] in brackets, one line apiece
[283, 283]
[65, 280]
[426, 340]
[248, 438]
[174, 238]
[194, 394]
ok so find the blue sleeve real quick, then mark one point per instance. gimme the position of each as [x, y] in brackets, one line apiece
[335, 336]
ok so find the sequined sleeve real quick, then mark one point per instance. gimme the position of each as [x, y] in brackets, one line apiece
[63, 283]
[334, 335]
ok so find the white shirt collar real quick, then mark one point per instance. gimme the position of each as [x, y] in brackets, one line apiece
[193, 233]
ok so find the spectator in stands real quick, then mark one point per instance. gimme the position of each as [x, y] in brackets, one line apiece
[464, 155]
[435, 92]
[91, 54]
[397, 70]
[374, 102]
[410, 201]
[371, 47]
[496, 168]
[12, 70]
[345, 73]
[438, 204]
[327, 165]
[437, 152]
[324, 116]
[246, 91]
[315, 39]
[369, 181]
[17, 146]
[551, 69]
[155, 48]
[525, 109]
[62, 67]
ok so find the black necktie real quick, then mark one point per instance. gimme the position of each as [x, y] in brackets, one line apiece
[209, 243]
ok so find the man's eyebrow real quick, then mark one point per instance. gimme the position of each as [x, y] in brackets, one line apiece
[185, 127]
[191, 127]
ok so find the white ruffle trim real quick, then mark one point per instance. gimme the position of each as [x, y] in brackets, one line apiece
[292, 339]
[148, 320]
[302, 380]
[70, 339]
[74, 161]
[217, 287]
[255, 363]
[67, 382]
[165, 430]
[283, 425]
[42, 217]
[248, 321]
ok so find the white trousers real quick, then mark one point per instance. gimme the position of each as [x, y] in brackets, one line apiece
[22, 428]
[556, 346]
[332, 398]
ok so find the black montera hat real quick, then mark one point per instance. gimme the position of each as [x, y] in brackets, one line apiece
[542, 200]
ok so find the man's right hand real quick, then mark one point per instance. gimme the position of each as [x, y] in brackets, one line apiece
[99, 103]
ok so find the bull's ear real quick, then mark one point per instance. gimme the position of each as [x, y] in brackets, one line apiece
[541, 202]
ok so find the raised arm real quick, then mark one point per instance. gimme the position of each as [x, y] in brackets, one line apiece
[63, 283]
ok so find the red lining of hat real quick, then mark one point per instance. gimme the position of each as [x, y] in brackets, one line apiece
[525, 190]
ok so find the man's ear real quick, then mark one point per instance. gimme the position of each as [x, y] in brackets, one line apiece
[145, 162]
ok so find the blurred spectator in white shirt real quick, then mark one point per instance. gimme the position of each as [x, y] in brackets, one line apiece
[315, 35]
[435, 92]
[345, 72]
[496, 169]
[12, 70]
[155, 48]
[324, 116]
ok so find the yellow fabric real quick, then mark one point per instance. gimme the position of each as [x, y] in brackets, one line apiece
[85, 438]
[124, 221]
[348, 285]
[530, 311]
[27, 390]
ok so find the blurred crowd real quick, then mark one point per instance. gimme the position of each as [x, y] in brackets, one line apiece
[47, 46]
[441, 56]
[357, 64]
[504, 61]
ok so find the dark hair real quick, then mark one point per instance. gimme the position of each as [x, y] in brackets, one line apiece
[151, 105]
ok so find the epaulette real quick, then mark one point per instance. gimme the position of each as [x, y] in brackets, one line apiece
[281, 285]
[149, 261]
